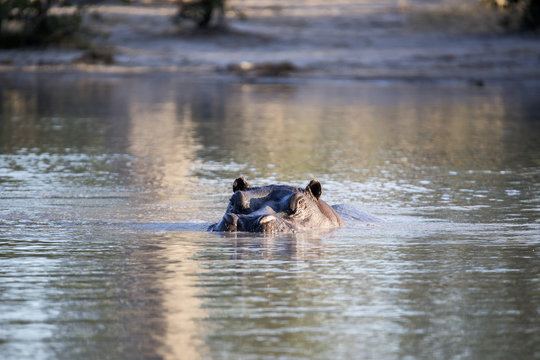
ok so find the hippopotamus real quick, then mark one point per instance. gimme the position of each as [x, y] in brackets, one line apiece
[277, 208]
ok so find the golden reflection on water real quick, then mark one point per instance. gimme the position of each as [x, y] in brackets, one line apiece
[164, 140]
[280, 131]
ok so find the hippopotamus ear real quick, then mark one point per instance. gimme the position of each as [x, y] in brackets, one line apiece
[314, 187]
[240, 184]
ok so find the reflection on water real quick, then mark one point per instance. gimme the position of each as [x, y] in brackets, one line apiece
[107, 185]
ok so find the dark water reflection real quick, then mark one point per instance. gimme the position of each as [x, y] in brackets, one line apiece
[107, 185]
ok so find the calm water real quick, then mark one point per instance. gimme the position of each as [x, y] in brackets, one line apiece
[107, 185]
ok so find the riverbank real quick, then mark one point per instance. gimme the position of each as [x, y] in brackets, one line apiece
[353, 40]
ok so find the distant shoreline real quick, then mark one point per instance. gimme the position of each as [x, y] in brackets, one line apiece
[356, 42]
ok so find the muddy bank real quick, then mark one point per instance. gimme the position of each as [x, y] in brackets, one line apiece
[312, 39]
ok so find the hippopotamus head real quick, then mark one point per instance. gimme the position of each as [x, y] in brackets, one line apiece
[276, 208]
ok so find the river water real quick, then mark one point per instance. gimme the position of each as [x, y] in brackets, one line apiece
[108, 183]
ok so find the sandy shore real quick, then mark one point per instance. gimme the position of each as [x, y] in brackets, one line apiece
[348, 39]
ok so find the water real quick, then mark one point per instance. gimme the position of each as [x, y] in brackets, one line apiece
[108, 183]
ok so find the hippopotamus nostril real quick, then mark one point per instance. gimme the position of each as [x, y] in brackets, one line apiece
[231, 222]
[268, 223]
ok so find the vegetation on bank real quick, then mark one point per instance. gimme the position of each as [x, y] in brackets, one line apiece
[201, 11]
[38, 22]
[521, 15]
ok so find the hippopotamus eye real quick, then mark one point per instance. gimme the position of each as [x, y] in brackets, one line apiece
[298, 202]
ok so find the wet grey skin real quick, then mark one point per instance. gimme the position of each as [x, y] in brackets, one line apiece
[277, 208]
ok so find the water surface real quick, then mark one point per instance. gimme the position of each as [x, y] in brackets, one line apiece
[108, 183]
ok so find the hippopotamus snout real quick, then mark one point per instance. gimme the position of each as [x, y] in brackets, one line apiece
[260, 223]
[230, 222]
